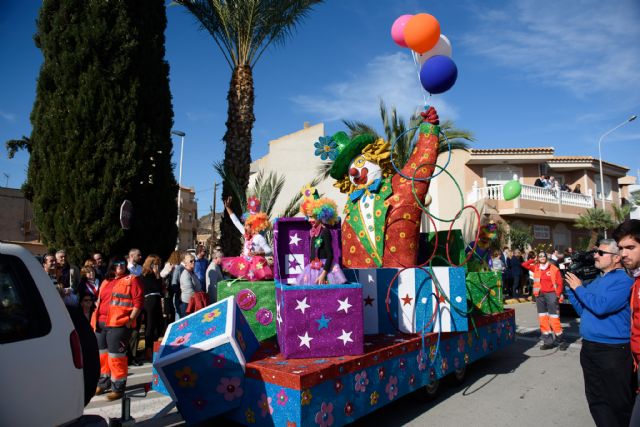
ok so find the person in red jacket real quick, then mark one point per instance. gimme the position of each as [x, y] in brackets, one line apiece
[627, 236]
[547, 288]
[120, 301]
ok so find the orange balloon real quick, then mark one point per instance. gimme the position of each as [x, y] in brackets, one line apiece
[422, 32]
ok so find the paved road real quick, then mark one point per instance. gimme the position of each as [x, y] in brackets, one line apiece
[520, 385]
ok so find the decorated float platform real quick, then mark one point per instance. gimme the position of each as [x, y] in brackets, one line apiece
[338, 390]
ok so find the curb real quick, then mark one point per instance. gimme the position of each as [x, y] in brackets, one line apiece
[518, 300]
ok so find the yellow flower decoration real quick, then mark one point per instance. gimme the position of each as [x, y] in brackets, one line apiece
[186, 377]
[374, 398]
[250, 416]
[211, 315]
[305, 397]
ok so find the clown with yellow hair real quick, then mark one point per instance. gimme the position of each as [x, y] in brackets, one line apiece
[252, 264]
[322, 268]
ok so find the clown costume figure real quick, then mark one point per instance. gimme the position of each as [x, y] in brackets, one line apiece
[252, 264]
[322, 267]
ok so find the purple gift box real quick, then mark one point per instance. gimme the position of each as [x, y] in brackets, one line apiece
[319, 320]
[292, 245]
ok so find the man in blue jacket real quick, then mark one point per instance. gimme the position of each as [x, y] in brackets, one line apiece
[605, 326]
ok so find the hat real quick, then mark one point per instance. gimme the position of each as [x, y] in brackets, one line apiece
[346, 149]
[323, 209]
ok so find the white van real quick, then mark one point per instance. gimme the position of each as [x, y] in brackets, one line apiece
[41, 356]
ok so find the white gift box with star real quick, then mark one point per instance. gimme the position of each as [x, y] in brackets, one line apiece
[410, 300]
[319, 320]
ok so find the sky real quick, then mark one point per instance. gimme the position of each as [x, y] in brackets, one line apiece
[530, 74]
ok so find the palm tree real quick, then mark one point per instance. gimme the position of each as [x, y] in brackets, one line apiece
[243, 30]
[620, 213]
[594, 220]
[401, 136]
[266, 188]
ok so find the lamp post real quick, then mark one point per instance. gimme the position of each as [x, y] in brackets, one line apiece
[630, 119]
[181, 135]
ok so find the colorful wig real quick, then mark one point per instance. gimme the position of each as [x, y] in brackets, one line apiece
[323, 210]
[258, 222]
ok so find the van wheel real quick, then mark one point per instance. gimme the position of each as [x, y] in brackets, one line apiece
[431, 390]
[90, 358]
[459, 375]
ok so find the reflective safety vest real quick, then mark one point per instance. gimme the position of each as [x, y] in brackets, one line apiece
[538, 274]
[121, 304]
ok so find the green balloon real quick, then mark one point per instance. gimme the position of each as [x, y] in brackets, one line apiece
[512, 190]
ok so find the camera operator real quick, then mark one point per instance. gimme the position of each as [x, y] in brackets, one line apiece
[605, 356]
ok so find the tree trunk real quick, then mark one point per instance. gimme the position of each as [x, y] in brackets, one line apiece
[237, 153]
[593, 239]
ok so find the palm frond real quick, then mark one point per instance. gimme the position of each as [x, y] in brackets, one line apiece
[238, 193]
[243, 30]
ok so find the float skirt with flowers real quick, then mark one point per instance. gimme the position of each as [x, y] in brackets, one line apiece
[312, 271]
[251, 268]
[336, 391]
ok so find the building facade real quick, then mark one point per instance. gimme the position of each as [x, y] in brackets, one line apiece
[549, 213]
[187, 219]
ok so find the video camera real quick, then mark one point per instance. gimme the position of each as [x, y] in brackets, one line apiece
[583, 266]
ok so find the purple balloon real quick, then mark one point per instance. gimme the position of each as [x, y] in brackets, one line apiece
[438, 74]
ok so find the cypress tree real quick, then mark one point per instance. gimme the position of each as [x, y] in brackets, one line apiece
[101, 128]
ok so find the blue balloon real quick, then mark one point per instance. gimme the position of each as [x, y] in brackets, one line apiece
[438, 74]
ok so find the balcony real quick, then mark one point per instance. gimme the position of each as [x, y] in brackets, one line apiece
[534, 202]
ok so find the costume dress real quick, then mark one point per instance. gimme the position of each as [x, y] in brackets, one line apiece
[321, 259]
[247, 267]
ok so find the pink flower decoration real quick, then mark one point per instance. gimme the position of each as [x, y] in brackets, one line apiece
[362, 381]
[200, 403]
[265, 405]
[445, 365]
[182, 339]
[282, 398]
[324, 417]
[412, 380]
[392, 387]
[183, 325]
[337, 386]
[348, 409]
[219, 361]
[230, 387]
[403, 364]
[210, 330]
[381, 373]
[422, 361]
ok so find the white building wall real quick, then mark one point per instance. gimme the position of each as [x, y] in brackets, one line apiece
[293, 156]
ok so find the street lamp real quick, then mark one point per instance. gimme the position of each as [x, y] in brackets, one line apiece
[181, 135]
[630, 119]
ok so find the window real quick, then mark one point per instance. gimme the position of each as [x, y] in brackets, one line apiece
[499, 175]
[23, 314]
[541, 232]
[607, 187]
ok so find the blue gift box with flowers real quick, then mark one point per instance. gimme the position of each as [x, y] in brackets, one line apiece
[202, 360]
[336, 391]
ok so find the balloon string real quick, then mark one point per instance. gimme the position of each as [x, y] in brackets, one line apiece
[416, 64]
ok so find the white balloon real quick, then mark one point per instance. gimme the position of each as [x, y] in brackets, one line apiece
[443, 47]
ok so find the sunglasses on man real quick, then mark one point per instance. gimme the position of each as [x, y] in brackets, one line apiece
[600, 252]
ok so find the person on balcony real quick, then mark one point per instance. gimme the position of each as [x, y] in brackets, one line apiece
[540, 182]
[577, 189]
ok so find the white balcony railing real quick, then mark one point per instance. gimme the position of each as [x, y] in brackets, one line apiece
[530, 192]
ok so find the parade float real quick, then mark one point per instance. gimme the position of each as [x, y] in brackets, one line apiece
[286, 353]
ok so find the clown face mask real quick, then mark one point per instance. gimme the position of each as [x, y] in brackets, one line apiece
[363, 173]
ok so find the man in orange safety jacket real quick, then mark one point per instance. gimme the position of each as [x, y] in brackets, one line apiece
[120, 300]
[547, 288]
